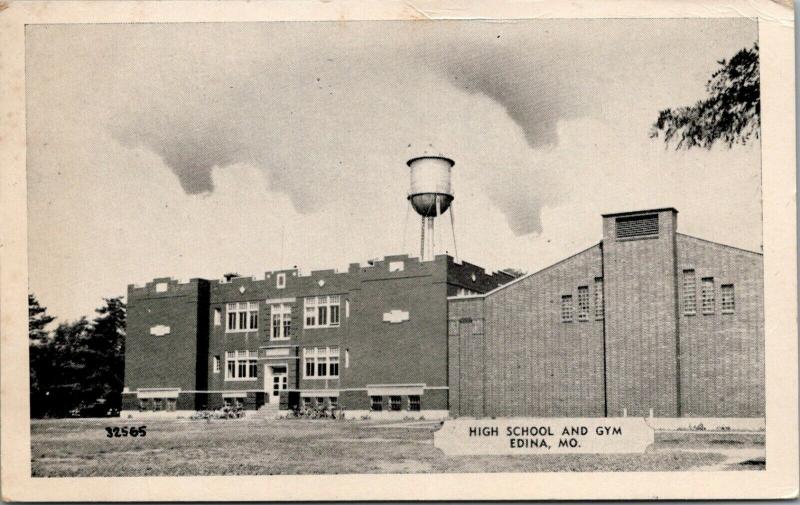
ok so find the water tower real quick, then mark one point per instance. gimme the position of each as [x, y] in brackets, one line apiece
[430, 195]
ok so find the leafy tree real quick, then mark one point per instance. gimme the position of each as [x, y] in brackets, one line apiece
[731, 114]
[38, 319]
[105, 352]
[81, 362]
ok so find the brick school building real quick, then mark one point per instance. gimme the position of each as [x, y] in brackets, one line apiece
[647, 318]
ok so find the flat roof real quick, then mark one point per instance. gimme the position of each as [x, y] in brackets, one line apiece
[645, 211]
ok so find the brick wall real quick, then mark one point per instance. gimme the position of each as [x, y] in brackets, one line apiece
[722, 355]
[527, 362]
[168, 360]
[641, 328]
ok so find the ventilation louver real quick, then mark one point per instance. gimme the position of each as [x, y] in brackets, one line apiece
[637, 226]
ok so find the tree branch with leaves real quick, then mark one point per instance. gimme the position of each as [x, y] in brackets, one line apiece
[731, 114]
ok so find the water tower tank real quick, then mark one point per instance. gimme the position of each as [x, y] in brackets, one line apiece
[430, 192]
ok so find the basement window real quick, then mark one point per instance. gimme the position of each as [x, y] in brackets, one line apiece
[637, 226]
[583, 303]
[727, 298]
[566, 309]
[707, 294]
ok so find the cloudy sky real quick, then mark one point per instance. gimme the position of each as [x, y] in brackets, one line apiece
[193, 150]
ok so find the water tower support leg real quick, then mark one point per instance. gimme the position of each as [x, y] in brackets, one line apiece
[422, 239]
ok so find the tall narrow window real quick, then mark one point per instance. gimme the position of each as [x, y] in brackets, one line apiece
[280, 281]
[583, 303]
[727, 299]
[216, 364]
[566, 309]
[309, 364]
[231, 317]
[217, 316]
[599, 303]
[333, 364]
[708, 295]
[689, 293]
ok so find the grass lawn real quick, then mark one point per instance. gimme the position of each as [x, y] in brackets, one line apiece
[80, 447]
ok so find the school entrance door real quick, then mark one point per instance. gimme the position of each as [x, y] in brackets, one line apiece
[275, 380]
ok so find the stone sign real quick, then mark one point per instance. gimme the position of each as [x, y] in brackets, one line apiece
[523, 436]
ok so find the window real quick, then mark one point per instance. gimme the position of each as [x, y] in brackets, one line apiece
[161, 287]
[413, 403]
[376, 403]
[306, 402]
[599, 303]
[217, 316]
[689, 293]
[281, 321]
[321, 362]
[333, 401]
[322, 311]
[637, 226]
[216, 364]
[394, 403]
[583, 303]
[347, 358]
[566, 309]
[320, 402]
[309, 364]
[158, 404]
[333, 361]
[241, 365]
[172, 404]
[347, 308]
[242, 316]
[708, 295]
[727, 298]
[280, 281]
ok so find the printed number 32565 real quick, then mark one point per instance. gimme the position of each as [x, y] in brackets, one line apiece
[125, 431]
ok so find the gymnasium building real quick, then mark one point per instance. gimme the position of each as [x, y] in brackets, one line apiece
[647, 318]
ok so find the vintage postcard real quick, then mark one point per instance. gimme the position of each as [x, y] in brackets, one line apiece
[398, 251]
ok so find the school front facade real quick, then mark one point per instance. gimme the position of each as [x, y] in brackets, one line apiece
[646, 319]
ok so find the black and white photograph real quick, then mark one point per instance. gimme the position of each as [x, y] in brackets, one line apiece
[351, 247]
